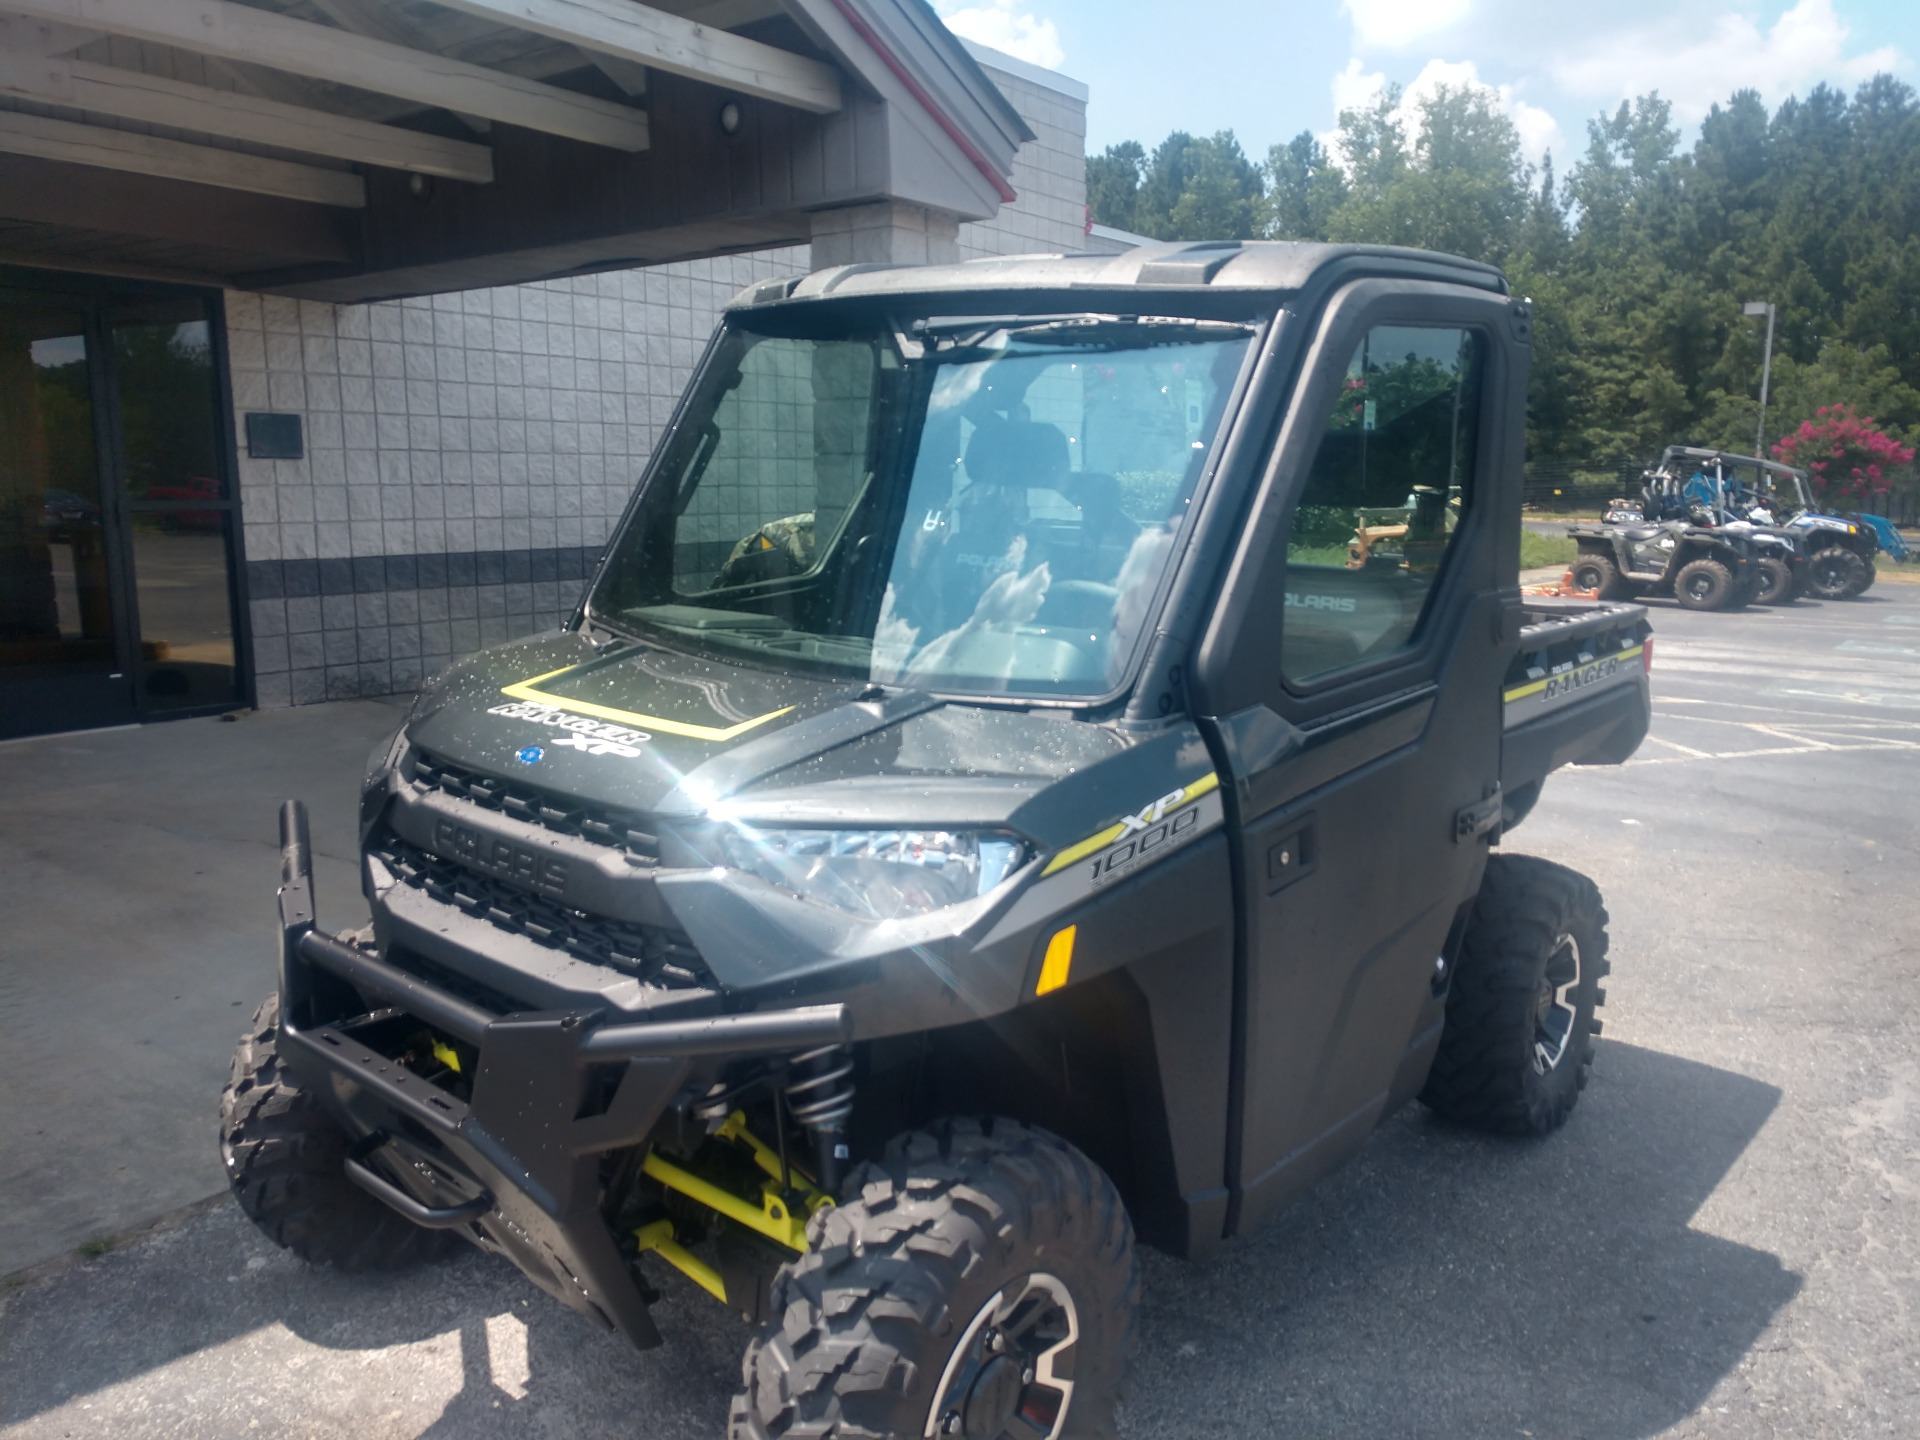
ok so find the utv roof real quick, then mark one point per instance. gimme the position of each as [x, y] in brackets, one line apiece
[1175, 266]
[1694, 452]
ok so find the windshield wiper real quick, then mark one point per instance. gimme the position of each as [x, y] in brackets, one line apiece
[1136, 329]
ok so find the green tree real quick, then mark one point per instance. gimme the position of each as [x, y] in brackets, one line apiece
[1638, 258]
[1461, 187]
[1304, 189]
[1114, 177]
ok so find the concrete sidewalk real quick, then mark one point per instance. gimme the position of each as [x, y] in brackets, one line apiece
[137, 870]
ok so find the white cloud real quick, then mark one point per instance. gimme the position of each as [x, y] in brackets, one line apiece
[1355, 87]
[1004, 26]
[1394, 24]
[1694, 65]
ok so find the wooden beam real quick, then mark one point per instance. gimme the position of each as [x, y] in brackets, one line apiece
[264, 37]
[153, 100]
[42, 192]
[95, 145]
[36, 37]
[376, 19]
[666, 42]
[117, 269]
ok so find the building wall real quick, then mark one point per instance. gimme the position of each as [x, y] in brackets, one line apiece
[467, 455]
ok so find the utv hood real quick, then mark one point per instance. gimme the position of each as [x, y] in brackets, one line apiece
[663, 732]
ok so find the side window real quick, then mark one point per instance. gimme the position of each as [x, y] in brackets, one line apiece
[1390, 483]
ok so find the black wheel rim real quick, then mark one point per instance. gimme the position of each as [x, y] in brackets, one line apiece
[1829, 575]
[1699, 586]
[1586, 578]
[1556, 1006]
[1010, 1377]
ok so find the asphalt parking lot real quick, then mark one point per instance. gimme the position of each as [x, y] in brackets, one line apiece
[1725, 1241]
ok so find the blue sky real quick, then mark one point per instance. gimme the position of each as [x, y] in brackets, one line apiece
[1268, 70]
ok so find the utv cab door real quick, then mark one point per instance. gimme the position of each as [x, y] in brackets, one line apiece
[1357, 710]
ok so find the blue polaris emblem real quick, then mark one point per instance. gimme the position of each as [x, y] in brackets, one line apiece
[530, 754]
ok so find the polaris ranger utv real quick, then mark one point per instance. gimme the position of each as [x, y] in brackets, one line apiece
[959, 831]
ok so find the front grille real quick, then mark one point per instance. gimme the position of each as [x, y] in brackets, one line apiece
[559, 813]
[652, 952]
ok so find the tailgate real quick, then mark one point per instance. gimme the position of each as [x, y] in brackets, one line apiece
[1577, 692]
[1572, 650]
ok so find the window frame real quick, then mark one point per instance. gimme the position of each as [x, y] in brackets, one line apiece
[1308, 686]
[1235, 655]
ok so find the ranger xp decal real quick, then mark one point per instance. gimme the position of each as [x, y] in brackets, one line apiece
[596, 737]
[1137, 837]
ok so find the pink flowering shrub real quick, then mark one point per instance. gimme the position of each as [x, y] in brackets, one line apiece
[1848, 455]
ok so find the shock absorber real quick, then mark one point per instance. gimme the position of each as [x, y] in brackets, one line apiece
[819, 1094]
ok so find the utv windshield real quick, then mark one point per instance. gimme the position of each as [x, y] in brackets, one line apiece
[980, 506]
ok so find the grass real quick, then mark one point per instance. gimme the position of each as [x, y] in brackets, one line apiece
[1537, 551]
[93, 1249]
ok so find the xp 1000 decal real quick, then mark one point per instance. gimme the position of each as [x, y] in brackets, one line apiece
[1149, 833]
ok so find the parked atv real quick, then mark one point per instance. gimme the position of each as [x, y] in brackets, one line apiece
[1840, 550]
[1701, 566]
[928, 859]
[1779, 561]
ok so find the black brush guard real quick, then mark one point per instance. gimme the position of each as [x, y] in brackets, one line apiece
[517, 1168]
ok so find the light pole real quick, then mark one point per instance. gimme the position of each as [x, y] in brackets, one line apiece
[1763, 307]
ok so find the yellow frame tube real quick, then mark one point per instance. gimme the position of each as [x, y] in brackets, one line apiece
[657, 1239]
[768, 1159]
[771, 1219]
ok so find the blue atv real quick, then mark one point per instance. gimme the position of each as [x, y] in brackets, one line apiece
[1840, 550]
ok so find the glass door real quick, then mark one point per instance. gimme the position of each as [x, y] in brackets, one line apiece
[117, 510]
[177, 504]
[63, 650]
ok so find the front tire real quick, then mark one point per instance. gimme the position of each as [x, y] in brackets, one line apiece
[983, 1270]
[1704, 585]
[286, 1158]
[1517, 1046]
[1598, 573]
[1868, 574]
[1836, 573]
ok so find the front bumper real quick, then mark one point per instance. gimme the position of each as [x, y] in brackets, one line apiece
[517, 1167]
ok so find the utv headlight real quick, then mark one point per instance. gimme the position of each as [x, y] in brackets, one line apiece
[876, 874]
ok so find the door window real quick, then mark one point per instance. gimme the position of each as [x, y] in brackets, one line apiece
[1390, 485]
[179, 510]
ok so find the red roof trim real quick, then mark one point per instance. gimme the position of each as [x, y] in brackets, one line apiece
[919, 92]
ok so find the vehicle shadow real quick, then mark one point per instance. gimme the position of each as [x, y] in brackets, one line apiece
[1446, 1284]
[1452, 1284]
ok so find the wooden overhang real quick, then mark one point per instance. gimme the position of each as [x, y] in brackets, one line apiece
[359, 149]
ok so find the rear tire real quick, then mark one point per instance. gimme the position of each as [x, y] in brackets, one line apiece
[886, 1324]
[1520, 1024]
[1598, 572]
[1775, 585]
[286, 1158]
[1836, 573]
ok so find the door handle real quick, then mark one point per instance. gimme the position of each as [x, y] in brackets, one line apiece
[1291, 858]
